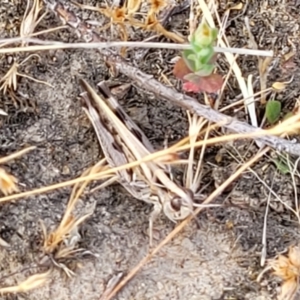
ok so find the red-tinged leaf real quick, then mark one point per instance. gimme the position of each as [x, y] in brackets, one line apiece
[209, 84]
[190, 87]
[181, 69]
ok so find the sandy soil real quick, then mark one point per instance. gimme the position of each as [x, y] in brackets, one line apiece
[220, 259]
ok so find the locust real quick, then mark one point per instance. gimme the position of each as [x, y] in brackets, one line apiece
[123, 142]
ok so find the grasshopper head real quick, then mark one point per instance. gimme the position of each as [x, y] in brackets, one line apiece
[178, 208]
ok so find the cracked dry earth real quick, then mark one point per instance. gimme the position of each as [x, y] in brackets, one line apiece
[219, 259]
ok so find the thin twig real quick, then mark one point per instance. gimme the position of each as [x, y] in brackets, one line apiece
[147, 82]
[264, 234]
[50, 45]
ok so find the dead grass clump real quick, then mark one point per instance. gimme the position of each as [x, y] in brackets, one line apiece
[62, 242]
[8, 183]
[287, 268]
[32, 17]
[128, 15]
[10, 79]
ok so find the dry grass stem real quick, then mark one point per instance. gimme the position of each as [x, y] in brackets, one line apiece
[31, 19]
[287, 126]
[246, 88]
[29, 284]
[193, 178]
[16, 154]
[69, 223]
[10, 79]
[54, 45]
[2, 112]
[266, 185]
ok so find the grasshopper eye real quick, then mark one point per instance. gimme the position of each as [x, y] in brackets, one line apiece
[176, 203]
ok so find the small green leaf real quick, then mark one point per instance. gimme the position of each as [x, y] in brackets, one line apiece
[191, 63]
[205, 55]
[205, 70]
[195, 47]
[273, 110]
[282, 166]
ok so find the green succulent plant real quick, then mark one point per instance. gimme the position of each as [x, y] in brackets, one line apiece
[197, 64]
[200, 58]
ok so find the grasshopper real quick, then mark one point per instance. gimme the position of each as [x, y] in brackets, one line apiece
[122, 142]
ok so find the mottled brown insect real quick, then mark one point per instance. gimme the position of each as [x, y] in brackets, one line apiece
[122, 142]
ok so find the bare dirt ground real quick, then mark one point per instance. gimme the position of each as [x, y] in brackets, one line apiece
[220, 259]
